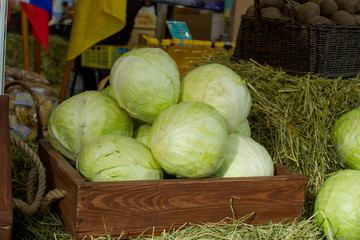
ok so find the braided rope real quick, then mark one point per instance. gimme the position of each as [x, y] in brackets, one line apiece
[35, 199]
[30, 185]
[49, 198]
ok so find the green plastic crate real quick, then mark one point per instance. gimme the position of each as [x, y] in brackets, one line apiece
[102, 56]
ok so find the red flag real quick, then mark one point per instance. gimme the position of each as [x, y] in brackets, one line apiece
[39, 13]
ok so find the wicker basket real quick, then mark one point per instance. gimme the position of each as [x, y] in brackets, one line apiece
[326, 50]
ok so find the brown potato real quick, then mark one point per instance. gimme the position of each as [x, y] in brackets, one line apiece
[286, 9]
[319, 20]
[357, 7]
[279, 4]
[347, 5]
[316, 1]
[306, 11]
[250, 11]
[343, 18]
[328, 8]
[286, 19]
[356, 18]
[271, 12]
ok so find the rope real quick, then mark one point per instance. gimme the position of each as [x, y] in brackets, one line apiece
[36, 178]
[30, 185]
[49, 198]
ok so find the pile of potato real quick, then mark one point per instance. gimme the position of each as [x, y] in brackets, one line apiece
[340, 12]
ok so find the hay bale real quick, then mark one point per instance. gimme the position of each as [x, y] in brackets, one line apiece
[293, 116]
[52, 63]
[306, 11]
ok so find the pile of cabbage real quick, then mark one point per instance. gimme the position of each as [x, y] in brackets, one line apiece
[148, 124]
[337, 204]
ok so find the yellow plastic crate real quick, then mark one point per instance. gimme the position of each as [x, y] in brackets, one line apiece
[102, 56]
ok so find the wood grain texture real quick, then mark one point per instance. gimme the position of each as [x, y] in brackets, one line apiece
[5, 231]
[130, 207]
[173, 202]
[6, 214]
[61, 175]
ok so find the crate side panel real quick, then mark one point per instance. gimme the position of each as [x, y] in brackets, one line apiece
[60, 175]
[5, 232]
[135, 207]
[282, 170]
[6, 214]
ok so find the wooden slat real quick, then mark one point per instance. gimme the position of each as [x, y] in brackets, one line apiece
[61, 175]
[6, 215]
[282, 170]
[140, 205]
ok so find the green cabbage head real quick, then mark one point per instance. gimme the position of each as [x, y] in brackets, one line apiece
[189, 140]
[83, 117]
[222, 88]
[142, 134]
[337, 206]
[245, 158]
[108, 91]
[244, 128]
[346, 137]
[145, 82]
[117, 158]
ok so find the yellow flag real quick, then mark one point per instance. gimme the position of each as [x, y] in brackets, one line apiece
[94, 20]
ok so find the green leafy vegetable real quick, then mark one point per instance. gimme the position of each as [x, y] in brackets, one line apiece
[337, 205]
[189, 140]
[117, 158]
[83, 117]
[142, 134]
[220, 87]
[244, 128]
[245, 158]
[145, 82]
[346, 136]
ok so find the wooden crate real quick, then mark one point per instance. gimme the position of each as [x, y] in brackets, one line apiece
[133, 207]
[6, 214]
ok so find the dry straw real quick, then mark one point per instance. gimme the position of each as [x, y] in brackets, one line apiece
[52, 63]
[293, 116]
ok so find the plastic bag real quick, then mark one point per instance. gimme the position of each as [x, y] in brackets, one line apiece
[31, 101]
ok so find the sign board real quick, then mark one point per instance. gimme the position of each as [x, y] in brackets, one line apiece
[178, 29]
